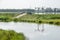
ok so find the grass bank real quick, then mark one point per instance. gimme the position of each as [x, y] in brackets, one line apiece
[11, 35]
[42, 18]
[35, 18]
[7, 17]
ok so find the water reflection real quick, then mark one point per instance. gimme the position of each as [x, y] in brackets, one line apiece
[40, 28]
[49, 32]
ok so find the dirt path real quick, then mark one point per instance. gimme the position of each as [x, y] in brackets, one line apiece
[20, 15]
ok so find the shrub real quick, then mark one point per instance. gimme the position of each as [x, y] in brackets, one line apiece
[11, 35]
[51, 22]
[15, 20]
[57, 23]
[40, 21]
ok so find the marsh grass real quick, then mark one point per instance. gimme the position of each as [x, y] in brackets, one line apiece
[32, 18]
[11, 35]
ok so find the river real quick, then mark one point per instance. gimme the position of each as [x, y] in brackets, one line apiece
[51, 32]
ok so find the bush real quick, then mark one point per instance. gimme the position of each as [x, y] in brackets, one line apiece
[58, 23]
[15, 20]
[40, 21]
[11, 35]
[51, 22]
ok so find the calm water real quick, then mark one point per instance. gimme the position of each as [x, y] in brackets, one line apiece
[51, 32]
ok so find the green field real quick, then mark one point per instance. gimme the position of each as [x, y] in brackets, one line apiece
[33, 18]
[7, 17]
[42, 18]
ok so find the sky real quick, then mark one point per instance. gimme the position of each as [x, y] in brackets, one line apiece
[21, 4]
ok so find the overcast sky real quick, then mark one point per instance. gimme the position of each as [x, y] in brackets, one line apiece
[19, 4]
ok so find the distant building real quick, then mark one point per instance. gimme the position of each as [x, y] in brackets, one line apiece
[17, 10]
[36, 10]
[48, 10]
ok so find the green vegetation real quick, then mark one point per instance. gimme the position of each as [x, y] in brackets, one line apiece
[35, 18]
[42, 18]
[11, 35]
[7, 17]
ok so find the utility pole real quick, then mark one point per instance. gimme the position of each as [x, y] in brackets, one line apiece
[38, 11]
[43, 16]
[43, 23]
